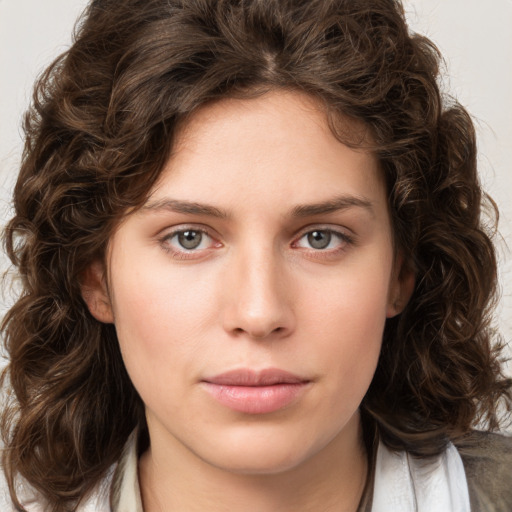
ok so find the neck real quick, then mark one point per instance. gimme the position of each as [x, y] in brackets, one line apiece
[332, 479]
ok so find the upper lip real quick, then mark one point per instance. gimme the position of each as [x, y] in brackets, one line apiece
[248, 377]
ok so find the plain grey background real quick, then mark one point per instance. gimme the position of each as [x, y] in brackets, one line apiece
[474, 38]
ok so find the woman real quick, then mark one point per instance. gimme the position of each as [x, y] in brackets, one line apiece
[255, 271]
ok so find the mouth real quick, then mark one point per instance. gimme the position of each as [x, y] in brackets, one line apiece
[256, 392]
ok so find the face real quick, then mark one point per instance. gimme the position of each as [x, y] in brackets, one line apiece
[250, 293]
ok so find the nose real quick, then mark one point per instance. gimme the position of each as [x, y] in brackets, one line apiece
[259, 296]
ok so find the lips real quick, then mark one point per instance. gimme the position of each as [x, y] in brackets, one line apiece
[256, 392]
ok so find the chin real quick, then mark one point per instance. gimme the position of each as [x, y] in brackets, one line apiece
[254, 455]
[259, 464]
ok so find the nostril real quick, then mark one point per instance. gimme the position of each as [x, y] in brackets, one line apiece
[258, 333]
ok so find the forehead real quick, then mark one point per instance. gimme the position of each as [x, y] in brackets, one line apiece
[279, 144]
[292, 110]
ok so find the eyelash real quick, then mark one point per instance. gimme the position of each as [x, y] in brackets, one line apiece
[184, 254]
[345, 241]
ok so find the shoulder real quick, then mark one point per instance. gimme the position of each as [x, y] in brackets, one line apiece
[487, 459]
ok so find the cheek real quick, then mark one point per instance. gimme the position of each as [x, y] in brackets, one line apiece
[155, 299]
[352, 338]
[160, 321]
[353, 301]
[347, 322]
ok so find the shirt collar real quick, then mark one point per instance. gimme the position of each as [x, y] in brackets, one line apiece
[126, 496]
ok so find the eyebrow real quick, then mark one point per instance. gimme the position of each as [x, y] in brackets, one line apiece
[338, 203]
[335, 204]
[188, 207]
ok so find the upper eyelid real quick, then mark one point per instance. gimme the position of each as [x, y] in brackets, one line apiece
[346, 238]
[342, 231]
[173, 230]
[165, 240]
[166, 236]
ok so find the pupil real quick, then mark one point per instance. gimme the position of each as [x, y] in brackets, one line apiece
[319, 239]
[190, 239]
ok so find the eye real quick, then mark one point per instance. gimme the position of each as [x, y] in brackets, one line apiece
[323, 239]
[188, 243]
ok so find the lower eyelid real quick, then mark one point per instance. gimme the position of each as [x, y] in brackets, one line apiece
[181, 253]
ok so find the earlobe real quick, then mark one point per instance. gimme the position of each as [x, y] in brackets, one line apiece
[95, 292]
[401, 288]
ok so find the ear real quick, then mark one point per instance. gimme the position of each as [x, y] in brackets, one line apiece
[401, 287]
[95, 292]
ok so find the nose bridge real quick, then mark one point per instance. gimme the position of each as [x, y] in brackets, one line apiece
[257, 303]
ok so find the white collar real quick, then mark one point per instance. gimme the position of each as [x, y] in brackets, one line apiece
[407, 484]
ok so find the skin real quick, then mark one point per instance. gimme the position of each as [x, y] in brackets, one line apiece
[255, 293]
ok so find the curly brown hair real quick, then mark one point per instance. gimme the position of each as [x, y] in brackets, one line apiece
[101, 127]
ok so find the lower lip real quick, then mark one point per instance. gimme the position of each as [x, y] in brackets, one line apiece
[256, 399]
